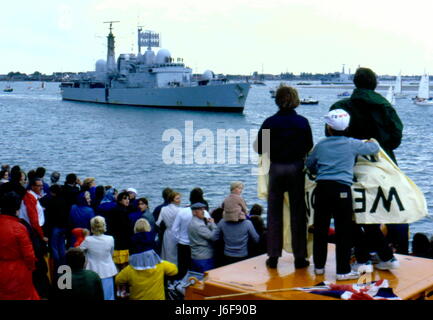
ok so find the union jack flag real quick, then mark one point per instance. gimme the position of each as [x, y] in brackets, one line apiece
[375, 290]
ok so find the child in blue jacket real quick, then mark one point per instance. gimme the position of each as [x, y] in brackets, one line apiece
[332, 161]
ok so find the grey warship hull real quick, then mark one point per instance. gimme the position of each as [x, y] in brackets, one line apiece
[224, 97]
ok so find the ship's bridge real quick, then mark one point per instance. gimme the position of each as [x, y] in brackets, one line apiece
[172, 74]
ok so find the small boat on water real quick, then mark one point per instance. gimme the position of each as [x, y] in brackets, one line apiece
[259, 83]
[309, 100]
[390, 96]
[423, 97]
[8, 89]
[344, 94]
[398, 94]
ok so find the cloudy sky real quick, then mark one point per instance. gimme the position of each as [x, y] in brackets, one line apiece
[225, 36]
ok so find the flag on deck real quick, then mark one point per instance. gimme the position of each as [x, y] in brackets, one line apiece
[375, 290]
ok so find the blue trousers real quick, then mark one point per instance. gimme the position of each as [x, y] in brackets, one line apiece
[108, 287]
[58, 246]
[202, 265]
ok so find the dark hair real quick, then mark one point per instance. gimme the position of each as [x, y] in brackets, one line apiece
[2, 173]
[256, 210]
[31, 175]
[421, 245]
[56, 189]
[99, 192]
[287, 98]
[75, 258]
[217, 214]
[15, 169]
[365, 78]
[71, 178]
[15, 174]
[122, 196]
[258, 224]
[144, 200]
[196, 195]
[10, 203]
[166, 192]
[40, 172]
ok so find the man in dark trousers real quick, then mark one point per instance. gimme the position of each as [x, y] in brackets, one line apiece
[290, 141]
[372, 116]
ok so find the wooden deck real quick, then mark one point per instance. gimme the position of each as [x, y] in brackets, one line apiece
[413, 280]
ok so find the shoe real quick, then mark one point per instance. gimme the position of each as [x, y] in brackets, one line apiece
[272, 262]
[319, 272]
[366, 267]
[374, 257]
[347, 276]
[302, 264]
[388, 265]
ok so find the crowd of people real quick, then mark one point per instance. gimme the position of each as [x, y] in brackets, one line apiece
[114, 245]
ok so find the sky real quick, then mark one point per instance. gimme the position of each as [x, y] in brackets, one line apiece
[225, 36]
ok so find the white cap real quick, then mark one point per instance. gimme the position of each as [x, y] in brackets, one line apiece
[131, 190]
[338, 119]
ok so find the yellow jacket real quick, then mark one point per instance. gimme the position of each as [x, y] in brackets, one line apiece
[146, 284]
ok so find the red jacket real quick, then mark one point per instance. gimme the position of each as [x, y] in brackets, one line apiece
[17, 261]
[32, 212]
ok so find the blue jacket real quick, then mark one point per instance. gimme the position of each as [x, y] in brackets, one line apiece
[333, 158]
[81, 214]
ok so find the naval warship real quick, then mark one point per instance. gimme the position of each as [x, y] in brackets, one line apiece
[153, 80]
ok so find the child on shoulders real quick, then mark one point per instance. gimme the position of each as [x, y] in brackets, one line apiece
[234, 205]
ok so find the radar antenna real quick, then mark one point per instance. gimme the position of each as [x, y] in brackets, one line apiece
[147, 38]
[111, 24]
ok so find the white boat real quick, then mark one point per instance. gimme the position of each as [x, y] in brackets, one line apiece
[390, 96]
[150, 80]
[309, 100]
[398, 94]
[423, 96]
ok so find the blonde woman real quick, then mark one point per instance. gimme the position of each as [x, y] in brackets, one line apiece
[99, 250]
[143, 238]
[168, 215]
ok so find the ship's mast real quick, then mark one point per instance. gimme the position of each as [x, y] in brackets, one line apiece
[139, 28]
[111, 59]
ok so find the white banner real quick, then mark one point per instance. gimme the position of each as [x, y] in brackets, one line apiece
[382, 193]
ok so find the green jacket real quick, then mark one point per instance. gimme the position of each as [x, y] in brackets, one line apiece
[372, 116]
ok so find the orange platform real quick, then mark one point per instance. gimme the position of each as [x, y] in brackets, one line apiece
[413, 280]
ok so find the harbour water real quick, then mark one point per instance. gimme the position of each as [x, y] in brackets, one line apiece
[123, 146]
